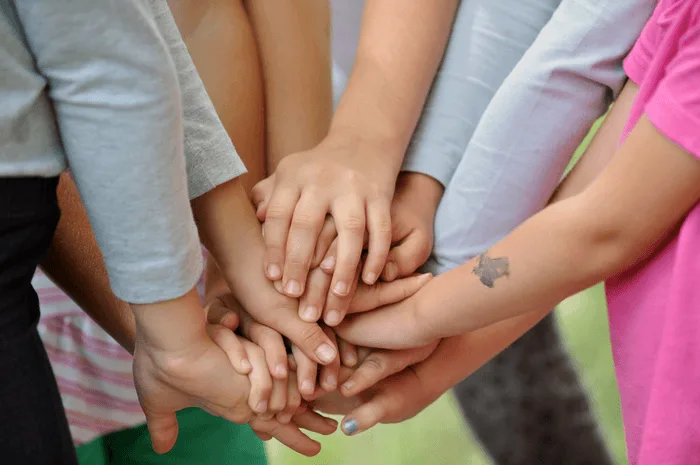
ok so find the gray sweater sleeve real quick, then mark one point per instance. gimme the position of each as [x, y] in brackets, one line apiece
[118, 109]
[210, 155]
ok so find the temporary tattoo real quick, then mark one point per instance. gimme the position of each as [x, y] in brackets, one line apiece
[490, 269]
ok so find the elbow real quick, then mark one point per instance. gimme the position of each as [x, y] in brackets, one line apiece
[609, 246]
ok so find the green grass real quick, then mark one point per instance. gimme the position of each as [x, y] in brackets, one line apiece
[438, 435]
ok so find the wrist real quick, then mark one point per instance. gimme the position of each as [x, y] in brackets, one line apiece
[173, 325]
[423, 191]
[382, 157]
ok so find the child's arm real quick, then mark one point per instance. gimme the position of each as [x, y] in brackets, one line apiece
[117, 105]
[352, 172]
[232, 234]
[294, 45]
[566, 248]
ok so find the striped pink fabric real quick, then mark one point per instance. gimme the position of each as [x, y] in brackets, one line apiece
[92, 369]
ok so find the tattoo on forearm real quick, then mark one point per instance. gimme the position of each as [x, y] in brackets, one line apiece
[490, 269]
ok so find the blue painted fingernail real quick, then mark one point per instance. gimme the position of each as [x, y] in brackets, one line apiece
[349, 426]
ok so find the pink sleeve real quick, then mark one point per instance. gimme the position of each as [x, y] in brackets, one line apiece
[637, 62]
[674, 109]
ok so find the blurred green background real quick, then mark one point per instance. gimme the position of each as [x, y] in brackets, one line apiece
[439, 436]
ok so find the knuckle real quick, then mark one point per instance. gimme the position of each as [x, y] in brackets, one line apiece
[354, 223]
[303, 222]
[374, 363]
[312, 335]
[353, 178]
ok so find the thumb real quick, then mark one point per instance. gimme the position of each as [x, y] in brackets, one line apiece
[368, 298]
[393, 401]
[260, 196]
[163, 429]
[408, 256]
[223, 311]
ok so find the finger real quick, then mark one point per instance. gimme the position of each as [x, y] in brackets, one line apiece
[278, 397]
[406, 257]
[310, 338]
[381, 364]
[232, 346]
[293, 400]
[312, 421]
[292, 363]
[307, 221]
[260, 379]
[336, 307]
[381, 294]
[348, 353]
[328, 262]
[379, 229]
[262, 436]
[272, 344]
[223, 311]
[395, 399]
[260, 195]
[311, 303]
[363, 353]
[349, 217]
[307, 371]
[289, 435]
[328, 377]
[163, 430]
[325, 239]
[276, 228]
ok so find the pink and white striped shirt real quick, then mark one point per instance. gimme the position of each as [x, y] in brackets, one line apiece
[93, 371]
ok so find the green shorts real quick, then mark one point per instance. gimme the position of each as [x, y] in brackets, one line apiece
[203, 440]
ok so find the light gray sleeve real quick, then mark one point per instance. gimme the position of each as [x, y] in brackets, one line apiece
[118, 109]
[210, 155]
[532, 126]
[576, 62]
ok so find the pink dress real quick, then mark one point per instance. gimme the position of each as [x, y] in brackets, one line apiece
[655, 307]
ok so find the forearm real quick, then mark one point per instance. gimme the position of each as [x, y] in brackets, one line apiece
[117, 105]
[401, 45]
[458, 357]
[232, 234]
[294, 44]
[601, 149]
[75, 264]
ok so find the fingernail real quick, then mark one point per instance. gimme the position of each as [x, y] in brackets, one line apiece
[281, 371]
[284, 418]
[349, 426]
[262, 406]
[425, 276]
[325, 353]
[310, 313]
[349, 385]
[370, 278]
[307, 387]
[333, 318]
[350, 360]
[245, 364]
[293, 287]
[331, 422]
[331, 381]
[273, 271]
[278, 286]
[328, 263]
[340, 288]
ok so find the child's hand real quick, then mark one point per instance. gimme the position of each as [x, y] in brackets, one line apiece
[363, 297]
[351, 181]
[412, 217]
[264, 351]
[177, 365]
